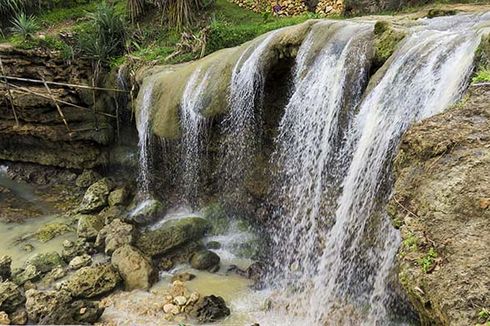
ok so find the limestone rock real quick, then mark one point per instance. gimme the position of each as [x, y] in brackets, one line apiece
[10, 297]
[80, 261]
[172, 234]
[111, 213]
[135, 269]
[89, 226]
[115, 235]
[4, 318]
[23, 275]
[46, 262]
[96, 196]
[386, 40]
[87, 178]
[58, 307]
[442, 175]
[53, 276]
[5, 270]
[118, 196]
[204, 259]
[89, 282]
[72, 249]
[210, 309]
[146, 212]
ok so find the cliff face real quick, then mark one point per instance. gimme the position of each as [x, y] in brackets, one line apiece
[41, 136]
[441, 203]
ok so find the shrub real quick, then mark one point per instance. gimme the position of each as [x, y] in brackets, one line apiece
[105, 36]
[482, 76]
[24, 26]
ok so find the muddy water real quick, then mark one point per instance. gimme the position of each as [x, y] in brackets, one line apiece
[15, 237]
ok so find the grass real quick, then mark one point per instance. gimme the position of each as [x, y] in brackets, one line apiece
[482, 76]
[62, 15]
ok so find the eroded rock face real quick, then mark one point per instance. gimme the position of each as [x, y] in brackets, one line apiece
[442, 205]
[90, 282]
[10, 297]
[171, 235]
[210, 309]
[96, 196]
[115, 235]
[5, 269]
[42, 136]
[89, 226]
[136, 270]
[58, 308]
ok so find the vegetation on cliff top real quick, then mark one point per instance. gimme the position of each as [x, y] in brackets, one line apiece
[83, 29]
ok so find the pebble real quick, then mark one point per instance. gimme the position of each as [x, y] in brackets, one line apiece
[180, 300]
[171, 309]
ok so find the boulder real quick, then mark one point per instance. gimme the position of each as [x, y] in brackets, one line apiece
[171, 235]
[10, 297]
[46, 262]
[146, 212]
[5, 268]
[216, 215]
[118, 196]
[93, 281]
[87, 178]
[204, 260]
[115, 235]
[89, 226]
[136, 270]
[96, 197]
[52, 230]
[210, 309]
[111, 213]
[80, 261]
[59, 308]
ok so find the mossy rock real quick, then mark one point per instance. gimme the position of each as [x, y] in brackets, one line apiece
[440, 12]
[89, 226]
[52, 230]
[204, 260]
[216, 215]
[46, 262]
[146, 212]
[386, 40]
[90, 282]
[172, 235]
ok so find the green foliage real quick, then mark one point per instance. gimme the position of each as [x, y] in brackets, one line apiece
[482, 76]
[10, 7]
[484, 315]
[105, 35]
[59, 15]
[24, 26]
[427, 262]
[411, 242]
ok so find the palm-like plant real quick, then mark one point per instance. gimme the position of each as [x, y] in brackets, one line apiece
[24, 25]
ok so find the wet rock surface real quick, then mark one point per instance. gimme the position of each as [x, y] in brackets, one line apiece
[90, 282]
[442, 205]
[136, 270]
[171, 235]
[210, 309]
[115, 235]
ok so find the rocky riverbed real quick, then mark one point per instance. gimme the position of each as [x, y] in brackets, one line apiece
[106, 258]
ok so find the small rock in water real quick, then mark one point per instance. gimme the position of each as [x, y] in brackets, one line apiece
[93, 281]
[4, 318]
[183, 277]
[210, 309]
[136, 269]
[180, 300]
[171, 309]
[52, 230]
[80, 261]
[205, 259]
[28, 247]
[46, 262]
[165, 264]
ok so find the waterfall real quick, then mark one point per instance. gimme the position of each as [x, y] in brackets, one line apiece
[240, 127]
[335, 245]
[143, 127]
[193, 135]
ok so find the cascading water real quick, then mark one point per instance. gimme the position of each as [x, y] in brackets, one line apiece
[143, 126]
[241, 125]
[193, 135]
[335, 246]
